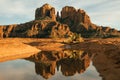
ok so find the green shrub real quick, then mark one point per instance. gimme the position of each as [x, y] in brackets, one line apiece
[74, 38]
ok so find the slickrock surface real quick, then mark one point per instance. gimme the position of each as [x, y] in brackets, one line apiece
[106, 52]
[10, 49]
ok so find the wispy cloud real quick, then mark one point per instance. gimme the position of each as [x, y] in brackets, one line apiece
[106, 13]
[103, 12]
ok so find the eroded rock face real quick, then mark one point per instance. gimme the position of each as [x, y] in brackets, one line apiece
[6, 30]
[80, 22]
[45, 10]
[77, 16]
[77, 20]
[49, 24]
[36, 28]
[73, 17]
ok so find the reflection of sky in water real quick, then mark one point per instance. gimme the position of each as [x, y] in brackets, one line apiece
[25, 70]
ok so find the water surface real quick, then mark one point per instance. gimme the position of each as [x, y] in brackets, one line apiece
[51, 65]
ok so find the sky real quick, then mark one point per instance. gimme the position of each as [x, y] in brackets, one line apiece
[101, 12]
[25, 70]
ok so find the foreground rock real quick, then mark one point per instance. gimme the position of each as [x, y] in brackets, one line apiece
[105, 53]
[106, 56]
[10, 50]
[48, 24]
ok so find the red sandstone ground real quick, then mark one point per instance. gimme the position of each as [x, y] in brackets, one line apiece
[106, 51]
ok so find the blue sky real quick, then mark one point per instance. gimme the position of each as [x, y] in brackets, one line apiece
[101, 12]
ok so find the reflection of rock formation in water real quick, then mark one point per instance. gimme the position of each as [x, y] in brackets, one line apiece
[71, 62]
[45, 69]
[45, 63]
[73, 65]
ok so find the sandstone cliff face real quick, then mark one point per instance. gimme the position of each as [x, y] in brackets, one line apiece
[77, 16]
[48, 24]
[45, 11]
[74, 18]
[79, 22]
[38, 28]
[6, 30]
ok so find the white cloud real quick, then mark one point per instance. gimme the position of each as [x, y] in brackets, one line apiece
[101, 11]
[18, 7]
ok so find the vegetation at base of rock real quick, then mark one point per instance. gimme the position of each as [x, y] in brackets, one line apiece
[74, 38]
[76, 54]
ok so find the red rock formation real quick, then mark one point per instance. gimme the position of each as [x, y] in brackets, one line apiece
[1, 32]
[6, 30]
[68, 12]
[38, 28]
[45, 10]
[73, 17]
[79, 22]
[45, 25]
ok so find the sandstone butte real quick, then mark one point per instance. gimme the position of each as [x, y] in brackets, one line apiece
[49, 24]
[47, 33]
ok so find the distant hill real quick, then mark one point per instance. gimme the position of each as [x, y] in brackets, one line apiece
[48, 24]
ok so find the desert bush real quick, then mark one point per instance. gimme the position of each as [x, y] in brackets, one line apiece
[74, 38]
